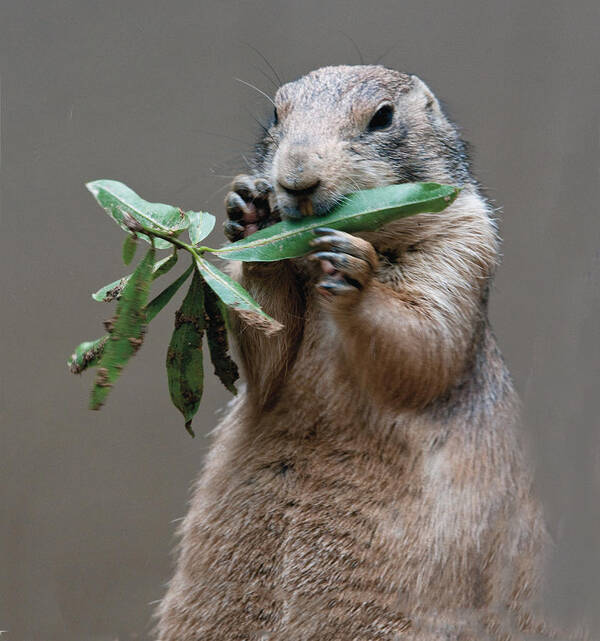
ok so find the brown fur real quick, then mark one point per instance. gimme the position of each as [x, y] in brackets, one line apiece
[367, 484]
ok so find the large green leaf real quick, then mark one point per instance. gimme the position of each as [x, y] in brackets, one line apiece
[113, 290]
[161, 267]
[127, 330]
[118, 200]
[88, 354]
[218, 344]
[362, 211]
[236, 297]
[162, 299]
[185, 372]
[201, 224]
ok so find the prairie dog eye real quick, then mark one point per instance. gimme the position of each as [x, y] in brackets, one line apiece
[382, 118]
[275, 116]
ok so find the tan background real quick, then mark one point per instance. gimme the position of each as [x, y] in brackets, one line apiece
[144, 92]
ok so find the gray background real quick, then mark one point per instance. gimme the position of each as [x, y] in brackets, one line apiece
[144, 92]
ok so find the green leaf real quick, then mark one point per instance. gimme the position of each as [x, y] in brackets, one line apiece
[163, 266]
[129, 247]
[218, 345]
[159, 302]
[236, 297]
[113, 290]
[88, 354]
[185, 372]
[201, 224]
[362, 211]
[126, 332]
[118, 200]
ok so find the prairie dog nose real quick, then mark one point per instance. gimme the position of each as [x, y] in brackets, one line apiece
[297, 172]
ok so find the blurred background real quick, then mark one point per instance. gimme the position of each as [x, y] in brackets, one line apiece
[145, 92]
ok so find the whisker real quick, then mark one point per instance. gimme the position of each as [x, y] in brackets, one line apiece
[260, 124]
[183, 186]
[218, 191]
[256, 89]
[384, 54]
[213, 174]
[266, 75]
[247, 162]
[360, 56]
[271, 67]
[229, 163]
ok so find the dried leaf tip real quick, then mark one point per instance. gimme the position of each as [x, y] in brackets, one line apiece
[268, 325]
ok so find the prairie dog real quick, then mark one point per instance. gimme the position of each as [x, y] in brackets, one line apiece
[367, 483]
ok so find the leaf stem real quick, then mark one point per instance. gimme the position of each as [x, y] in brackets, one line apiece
[171, 239]
[195, 251]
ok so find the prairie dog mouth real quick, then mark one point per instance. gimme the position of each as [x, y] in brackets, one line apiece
[303, 207]
[306, 207]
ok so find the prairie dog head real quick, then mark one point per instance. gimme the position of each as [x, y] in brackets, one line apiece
[341, 129]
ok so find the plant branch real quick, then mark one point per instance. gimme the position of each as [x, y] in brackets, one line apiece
[195, 251]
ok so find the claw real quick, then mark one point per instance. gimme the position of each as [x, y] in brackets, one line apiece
[334, 287]
[235, 206]
[245, 187]
[263, 187]
[336, 244]
[234, 231]
[338, 261]
[319, 231]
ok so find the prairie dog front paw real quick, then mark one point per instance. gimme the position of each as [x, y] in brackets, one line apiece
[347, 264]
[248, 207]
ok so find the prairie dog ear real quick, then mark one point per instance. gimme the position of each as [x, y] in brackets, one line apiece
[429, 100]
